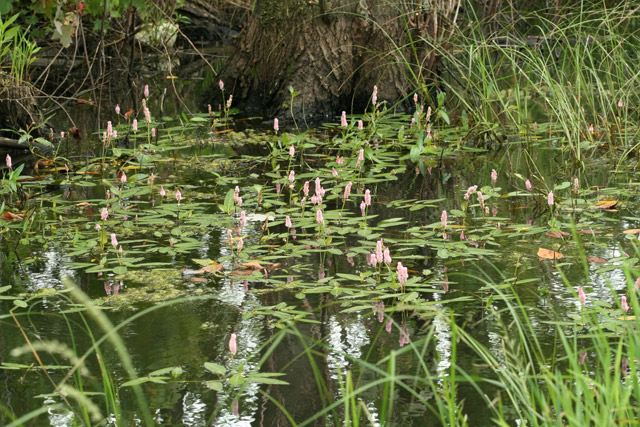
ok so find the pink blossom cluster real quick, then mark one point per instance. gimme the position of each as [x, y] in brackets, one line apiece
[347, 190]
[404, 335]
[378, 308]
[236, 196]
[470, 191]
[403, 274]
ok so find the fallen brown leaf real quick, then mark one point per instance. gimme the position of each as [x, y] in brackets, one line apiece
[211, 268]
[606, 204]
[240, 273]
[632, 231]
[252, 265]
[596, 259]
[557, 234]
[549, 254]
[9, 216]
[590, 231]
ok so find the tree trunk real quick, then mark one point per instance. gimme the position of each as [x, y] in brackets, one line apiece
[333, 52]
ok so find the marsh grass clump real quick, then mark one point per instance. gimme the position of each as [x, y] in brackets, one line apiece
[573, 70]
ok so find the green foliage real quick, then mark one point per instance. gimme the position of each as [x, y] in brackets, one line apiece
[573, 69]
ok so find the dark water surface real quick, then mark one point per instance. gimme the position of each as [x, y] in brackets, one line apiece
[187, 334]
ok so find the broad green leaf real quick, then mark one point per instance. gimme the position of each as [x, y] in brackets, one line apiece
[215, 368]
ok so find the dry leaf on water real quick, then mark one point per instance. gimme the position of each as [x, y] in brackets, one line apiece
[557, 234]
[252, 265]
[596, 259]
[549, 254]
[606, 204]
[8, 216]
[590, 231]
[211, 268]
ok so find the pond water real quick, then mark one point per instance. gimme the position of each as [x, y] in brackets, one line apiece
[195, 245]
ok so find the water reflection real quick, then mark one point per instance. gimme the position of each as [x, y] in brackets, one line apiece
[48, 269]
[343, 342]
[194, 410]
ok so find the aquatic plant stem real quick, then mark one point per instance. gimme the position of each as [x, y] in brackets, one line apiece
[37, 357]
[106, 325]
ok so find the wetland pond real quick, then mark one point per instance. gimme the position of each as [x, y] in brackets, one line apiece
[187, 273]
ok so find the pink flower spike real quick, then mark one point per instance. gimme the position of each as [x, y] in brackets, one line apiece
[123, 177]
[319, 217]
[403, 274]
[120, 249]
[233, 347]
[178, 196]
[276, 126]
[243, 219]
[379, 254]
[287, 222]
[361, 155]
[104, 214]
[153, 132]
[581, 295]
[343, 120]
[347, 191]
[339, 160]
[134, 126]
[576, 185]
[623, 303]
[367, 197]
[147, 115]
[494, 176]
[374, 96]
[443, 220]
[334, 172]
[146, 91]
[528, 185]
[292, 150]
[360, 125]
[387, 327]
[363, 208]
[8, 160]
[620, 104]
[221, 85]
[98, 227]
[162, 192]
[118, 109]
[636, 285]
[372, 260]
[387, 256]
[114, 240]
[591, 130]
[292, 176]
[550, 198]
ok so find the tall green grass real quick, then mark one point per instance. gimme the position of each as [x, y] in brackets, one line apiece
[570, 69]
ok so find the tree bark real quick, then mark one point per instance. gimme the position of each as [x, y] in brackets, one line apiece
[333, 52]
